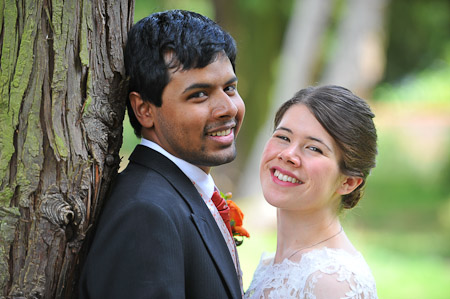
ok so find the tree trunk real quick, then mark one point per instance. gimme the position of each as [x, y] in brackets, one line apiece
[63, 90]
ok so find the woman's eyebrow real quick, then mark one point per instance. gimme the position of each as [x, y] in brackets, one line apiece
[320, 141]
[284, 129]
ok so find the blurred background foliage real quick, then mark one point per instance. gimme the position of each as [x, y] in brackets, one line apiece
[396, 54]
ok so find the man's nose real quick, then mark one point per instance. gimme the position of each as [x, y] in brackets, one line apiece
[225, 106]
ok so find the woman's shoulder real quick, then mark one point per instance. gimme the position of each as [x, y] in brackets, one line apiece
[331, 260]
[339, 272]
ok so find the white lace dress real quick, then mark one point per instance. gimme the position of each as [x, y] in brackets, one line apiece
[321, 273]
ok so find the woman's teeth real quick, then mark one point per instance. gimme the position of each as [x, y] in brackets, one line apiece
[285, 178]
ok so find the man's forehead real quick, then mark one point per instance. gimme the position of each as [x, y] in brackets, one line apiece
[174, 65]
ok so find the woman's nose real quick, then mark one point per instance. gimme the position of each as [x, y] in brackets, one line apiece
[290, 155]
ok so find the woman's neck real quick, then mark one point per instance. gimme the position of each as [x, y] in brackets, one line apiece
[303, 231]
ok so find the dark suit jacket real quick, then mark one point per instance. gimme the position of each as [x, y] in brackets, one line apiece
[157, 239]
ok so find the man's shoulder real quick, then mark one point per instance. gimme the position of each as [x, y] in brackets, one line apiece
[136, 177]
[153, 180]
[147, 156]
[140, 188]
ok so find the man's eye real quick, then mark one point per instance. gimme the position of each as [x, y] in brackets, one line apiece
[199, 94]
[230, 89]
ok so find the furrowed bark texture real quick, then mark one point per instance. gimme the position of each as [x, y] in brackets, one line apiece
[63, 89]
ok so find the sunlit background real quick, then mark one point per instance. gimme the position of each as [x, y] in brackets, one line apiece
[395, 54]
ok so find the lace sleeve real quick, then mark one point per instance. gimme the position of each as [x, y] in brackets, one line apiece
[338, 284]
[321, 285]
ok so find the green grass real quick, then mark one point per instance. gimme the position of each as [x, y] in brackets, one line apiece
[400, 275]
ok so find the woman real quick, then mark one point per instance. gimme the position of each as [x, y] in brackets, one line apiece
[315, 165]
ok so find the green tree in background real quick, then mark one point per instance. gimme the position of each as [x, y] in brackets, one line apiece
[419, 36]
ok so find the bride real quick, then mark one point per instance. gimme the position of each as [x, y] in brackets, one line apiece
[314, 165]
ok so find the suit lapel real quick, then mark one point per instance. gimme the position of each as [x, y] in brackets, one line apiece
[212, 237]
[201, 216]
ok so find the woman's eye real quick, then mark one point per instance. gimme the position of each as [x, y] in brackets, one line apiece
[315, 149]
[282, 137]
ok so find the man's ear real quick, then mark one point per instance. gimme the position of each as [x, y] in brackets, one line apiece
[143, 110]
[349, 184]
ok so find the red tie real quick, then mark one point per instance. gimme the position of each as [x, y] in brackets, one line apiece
[223, 209]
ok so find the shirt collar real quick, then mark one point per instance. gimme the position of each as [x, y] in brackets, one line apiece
[203, 181]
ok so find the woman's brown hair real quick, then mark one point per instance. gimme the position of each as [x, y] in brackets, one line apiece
[349, 120]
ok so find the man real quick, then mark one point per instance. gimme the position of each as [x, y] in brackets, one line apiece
[160, 234]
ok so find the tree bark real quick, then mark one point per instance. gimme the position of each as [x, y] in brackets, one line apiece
[63, 89]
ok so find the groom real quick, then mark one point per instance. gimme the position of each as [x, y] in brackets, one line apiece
[160, 235]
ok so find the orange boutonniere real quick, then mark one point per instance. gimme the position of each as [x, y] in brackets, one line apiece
[236, 219]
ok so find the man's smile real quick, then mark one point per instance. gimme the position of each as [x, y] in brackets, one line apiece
[221, 133]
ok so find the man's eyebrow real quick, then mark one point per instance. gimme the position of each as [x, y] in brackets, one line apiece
[206, 85]
[197, 86]
[232, 80]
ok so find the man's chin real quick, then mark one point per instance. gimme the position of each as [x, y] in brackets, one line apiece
[216, 160]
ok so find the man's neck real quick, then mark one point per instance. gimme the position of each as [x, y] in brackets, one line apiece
[196, 174]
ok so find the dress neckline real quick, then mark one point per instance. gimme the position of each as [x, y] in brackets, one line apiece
[306, 254]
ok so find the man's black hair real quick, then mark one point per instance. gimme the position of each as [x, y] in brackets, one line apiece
[188, 39]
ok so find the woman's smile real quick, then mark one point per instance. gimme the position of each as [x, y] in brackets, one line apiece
[284, 178]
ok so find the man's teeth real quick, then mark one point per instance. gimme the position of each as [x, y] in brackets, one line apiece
[285, 178]
[221, 133]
